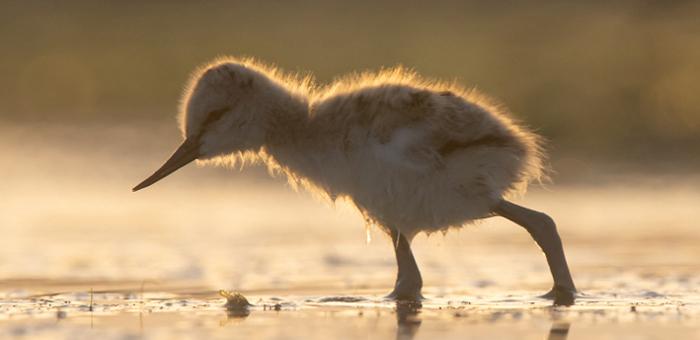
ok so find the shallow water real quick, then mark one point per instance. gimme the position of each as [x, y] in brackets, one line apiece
[154, 260]
[303, 315]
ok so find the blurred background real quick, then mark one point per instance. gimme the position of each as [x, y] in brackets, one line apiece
[89, 92]
[599, 79]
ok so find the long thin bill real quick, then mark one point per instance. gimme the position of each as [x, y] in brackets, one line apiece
[186, 153]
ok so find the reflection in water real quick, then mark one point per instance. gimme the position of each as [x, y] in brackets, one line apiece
[407, 319]
[559, 331]
[234, 316]
[408, 322]
[237, 314]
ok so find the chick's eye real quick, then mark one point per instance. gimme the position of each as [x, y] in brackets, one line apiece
[215, 115]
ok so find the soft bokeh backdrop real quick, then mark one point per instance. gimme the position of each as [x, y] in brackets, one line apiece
[601, 80]
[88, 94]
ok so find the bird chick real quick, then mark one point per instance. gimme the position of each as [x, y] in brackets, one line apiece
[413, 155]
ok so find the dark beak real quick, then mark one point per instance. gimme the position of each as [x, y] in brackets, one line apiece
[186, 153]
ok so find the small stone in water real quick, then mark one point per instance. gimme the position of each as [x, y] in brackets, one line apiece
[234, 301]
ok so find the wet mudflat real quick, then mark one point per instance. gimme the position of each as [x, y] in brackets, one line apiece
[83, 257]
[151, 315]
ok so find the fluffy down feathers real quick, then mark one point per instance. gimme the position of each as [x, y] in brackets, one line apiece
[412, 154]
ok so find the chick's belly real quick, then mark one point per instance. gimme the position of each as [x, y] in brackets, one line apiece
[414, 202]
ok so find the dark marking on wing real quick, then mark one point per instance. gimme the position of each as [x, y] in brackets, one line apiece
[452, 145]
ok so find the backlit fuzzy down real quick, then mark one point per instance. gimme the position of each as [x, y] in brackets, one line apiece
[412, 154]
